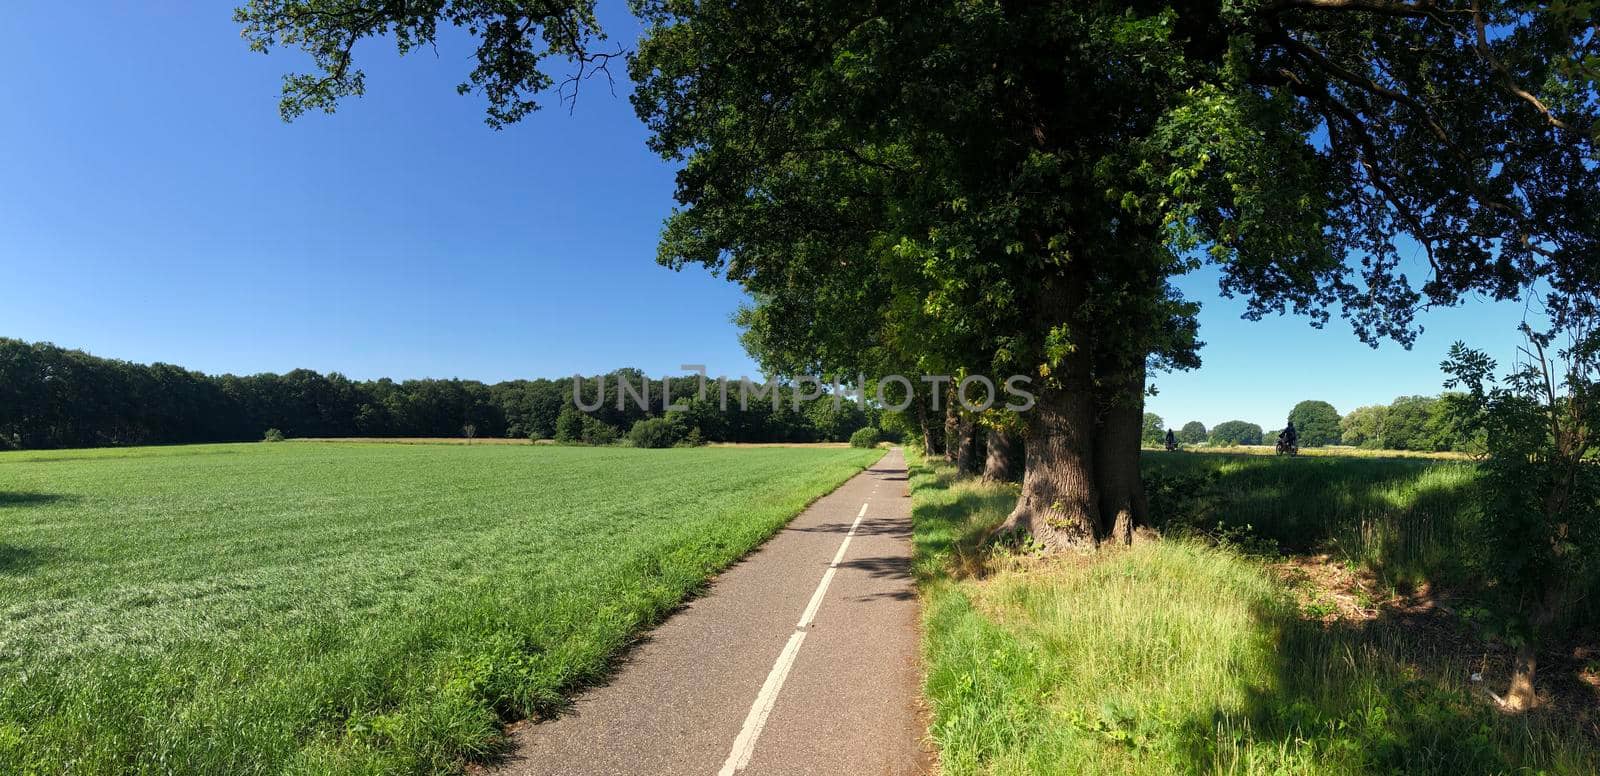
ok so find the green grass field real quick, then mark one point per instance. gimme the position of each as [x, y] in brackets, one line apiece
[1407, 519]
[346, 608]
[1186, 657]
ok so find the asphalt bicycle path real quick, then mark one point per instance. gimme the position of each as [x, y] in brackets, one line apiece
[800, 659]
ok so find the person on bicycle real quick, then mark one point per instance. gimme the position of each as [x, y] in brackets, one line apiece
[1172, 440]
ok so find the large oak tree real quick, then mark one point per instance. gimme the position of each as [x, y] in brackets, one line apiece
[1027, 177]
[1008, 187]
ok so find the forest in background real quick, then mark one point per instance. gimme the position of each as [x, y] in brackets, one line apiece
[53, 397]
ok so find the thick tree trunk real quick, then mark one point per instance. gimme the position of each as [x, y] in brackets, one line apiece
[967, 451]
[1116, 457]
[1001, 464]
[1059, 504]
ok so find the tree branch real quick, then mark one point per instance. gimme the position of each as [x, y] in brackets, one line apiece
[1487, 53]
[1366, 153]
[1323, 62]
[1418, 9]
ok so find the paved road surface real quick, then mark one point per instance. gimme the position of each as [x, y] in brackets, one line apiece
[801, 659]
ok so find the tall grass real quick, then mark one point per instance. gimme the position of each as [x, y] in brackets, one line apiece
[323, 609]
[1410, 520]
[1178, 657]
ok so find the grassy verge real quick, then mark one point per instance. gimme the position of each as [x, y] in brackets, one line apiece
[1178, 657]
[362, 608]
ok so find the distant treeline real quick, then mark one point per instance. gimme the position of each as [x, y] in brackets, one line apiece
[1425, 423]
[53, 397]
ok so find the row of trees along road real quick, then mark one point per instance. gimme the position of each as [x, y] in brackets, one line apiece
[1009, 188]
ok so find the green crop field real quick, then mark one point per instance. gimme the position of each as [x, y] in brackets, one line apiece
[346, 608]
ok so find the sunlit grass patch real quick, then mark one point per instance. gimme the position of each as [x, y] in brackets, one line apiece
[1178, 657]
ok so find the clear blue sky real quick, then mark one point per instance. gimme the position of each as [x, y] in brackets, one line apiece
[156, 209]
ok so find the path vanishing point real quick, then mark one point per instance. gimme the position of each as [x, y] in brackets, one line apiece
[800, 659]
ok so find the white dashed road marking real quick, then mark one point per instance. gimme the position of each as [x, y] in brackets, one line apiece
[745, 745]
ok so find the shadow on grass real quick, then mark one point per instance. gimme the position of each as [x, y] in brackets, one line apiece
[951, 518]
[1408, 520]
[1013, 683]
[1385, 696]
[1390, 694]
[18, 560]
[29, 499]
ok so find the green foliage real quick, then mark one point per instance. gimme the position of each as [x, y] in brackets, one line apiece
[510, 54]
[972, 217]
[658, 432]
[1153, 430]
[596, 432]
[866, 437]
[1405, 425]
[348, 608]
[1363, 427]
[900, 427]
[66, 398]
[1540, 489]
[1074, 668]
[1193, 433]
[1317, 423]
[1012, 188]
[569, 426]
[1278, 154]
[1410, 423]
[272, 435]
[1235, 432]
[574, 427]
[703, 418]
[835, 422]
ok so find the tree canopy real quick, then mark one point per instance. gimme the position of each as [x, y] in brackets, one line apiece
[1236, 432]
[1363, 426]
[1317, 423]
[1014, 184]
[1193, 433]
[1010, 187]
[514, 42]
[1153, 430]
